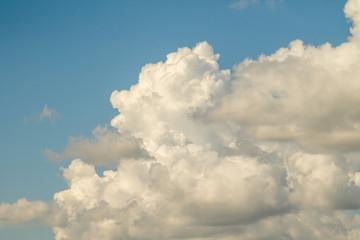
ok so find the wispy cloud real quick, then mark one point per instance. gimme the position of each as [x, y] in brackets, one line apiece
[273, 2]
[48, 113]
[243, 4]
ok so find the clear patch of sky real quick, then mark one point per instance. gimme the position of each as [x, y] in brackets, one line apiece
[31, 231]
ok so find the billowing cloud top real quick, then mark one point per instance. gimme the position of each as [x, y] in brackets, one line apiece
[302, 93]
[268, 152]
[167, 106]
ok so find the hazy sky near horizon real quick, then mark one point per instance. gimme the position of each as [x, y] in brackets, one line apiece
[194, 119]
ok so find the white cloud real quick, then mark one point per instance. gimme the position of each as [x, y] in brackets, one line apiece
[167, 106]
[303, 93]
[23, 211]
[48, 113]
[230, 159]
[321, 181]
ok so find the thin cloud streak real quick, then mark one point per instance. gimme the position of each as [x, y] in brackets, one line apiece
[243, 4]
[48, 113]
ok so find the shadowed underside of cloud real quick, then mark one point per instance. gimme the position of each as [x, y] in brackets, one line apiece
[271, 154]
[106, 148]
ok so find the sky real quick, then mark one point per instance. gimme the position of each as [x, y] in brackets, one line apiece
[179, 119]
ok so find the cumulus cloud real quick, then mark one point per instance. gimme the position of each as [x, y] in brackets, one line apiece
[23, 211]
[48, 113]
[106, 147]
[167, 106]
[303, 93]
[268, 152]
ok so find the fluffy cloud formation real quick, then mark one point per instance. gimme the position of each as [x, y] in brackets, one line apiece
[167, 107]
[303, 93]
[23, 211]
[107, 147]
[271, 154]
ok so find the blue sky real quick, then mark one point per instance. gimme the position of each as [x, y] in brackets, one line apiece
[71, 55]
